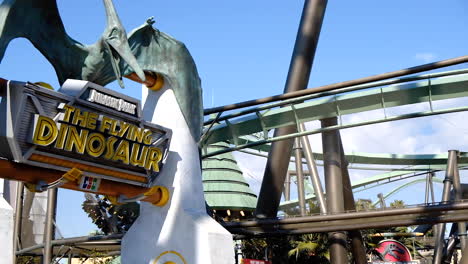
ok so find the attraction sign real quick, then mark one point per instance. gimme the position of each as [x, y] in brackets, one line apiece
[91, 132]
[392, 251]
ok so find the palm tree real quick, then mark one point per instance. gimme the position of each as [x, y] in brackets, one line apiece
[310, 248]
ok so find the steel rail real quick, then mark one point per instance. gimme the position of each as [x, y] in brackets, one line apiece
[350, 215]
[338, 91]
[316, 131]
[404, 186]
[334, 86]
[347, 225]
[373, 183]
[410, 168]
[71, 241]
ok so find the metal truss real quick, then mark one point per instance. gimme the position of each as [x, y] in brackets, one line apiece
[237, 130]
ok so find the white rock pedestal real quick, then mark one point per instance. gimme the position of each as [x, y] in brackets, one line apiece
[6, 232]
[181, 231]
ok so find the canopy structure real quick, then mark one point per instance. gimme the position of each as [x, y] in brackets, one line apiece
[224, 185]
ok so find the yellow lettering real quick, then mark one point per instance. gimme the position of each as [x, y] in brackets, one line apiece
[153, 158]
[148, 137]
[123, 152]
[96, 145]
[68, 111]
[123, 128]
[105, 124]
[62, 135]
[76, 140]
[113, 130]
[110, 147]
[134, 159]
[91, 123]
[80, 118]
[45, 130]
[137, 134]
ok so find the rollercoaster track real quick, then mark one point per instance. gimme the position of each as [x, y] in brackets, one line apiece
[406, 185]
[250, 129]
[235, 130]
[373, 181]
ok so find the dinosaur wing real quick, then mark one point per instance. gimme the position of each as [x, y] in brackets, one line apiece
[160, 53]
[39, 22]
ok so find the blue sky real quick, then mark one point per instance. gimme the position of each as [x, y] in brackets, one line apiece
[243, 48]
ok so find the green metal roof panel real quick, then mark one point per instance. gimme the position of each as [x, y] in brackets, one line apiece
[220, 165]
[231, 201]
[223, 183]
[222, 176]
[226, 187]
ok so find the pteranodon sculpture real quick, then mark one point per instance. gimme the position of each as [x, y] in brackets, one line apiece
[145, 52]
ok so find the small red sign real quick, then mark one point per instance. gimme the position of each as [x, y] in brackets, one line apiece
[393, 251]
[255, 261]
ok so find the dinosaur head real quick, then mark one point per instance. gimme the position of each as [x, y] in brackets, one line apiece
[116, 42]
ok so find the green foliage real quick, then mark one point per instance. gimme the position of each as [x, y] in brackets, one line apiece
[97, 257]
[398, 204]
[28, 260]
[364, 205]
[254, 248]
[309, 248]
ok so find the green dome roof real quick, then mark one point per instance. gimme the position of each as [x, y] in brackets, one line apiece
[223, 183]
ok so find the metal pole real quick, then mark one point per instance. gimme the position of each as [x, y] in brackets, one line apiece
[440, 228]
[431, 186]
[426, 198]
[450, 249]
[458, 197]
[49, 225]
[287, 187]
[435, 210]
[72, 241]
[334, 187]
[381, 200]
[298, 78]
[299, 176]
[357, 244]
[18, 219]
[314, 176]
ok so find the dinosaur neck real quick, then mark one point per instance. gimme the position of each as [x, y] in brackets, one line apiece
[97, 66]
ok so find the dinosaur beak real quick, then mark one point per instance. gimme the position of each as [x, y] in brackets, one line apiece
[120, 49]
[116, 41]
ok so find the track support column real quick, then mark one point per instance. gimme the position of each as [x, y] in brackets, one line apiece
[313, 171]
[49, 229]
[334, 188]
[357, 244]
[299, 176]
[18, 219]
[287, 187]
[458, 197]
[440, 228]
[298, 78]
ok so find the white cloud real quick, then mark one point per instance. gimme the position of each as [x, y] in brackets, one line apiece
[426, 57]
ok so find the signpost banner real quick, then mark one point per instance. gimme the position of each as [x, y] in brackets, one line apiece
[84, 126]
